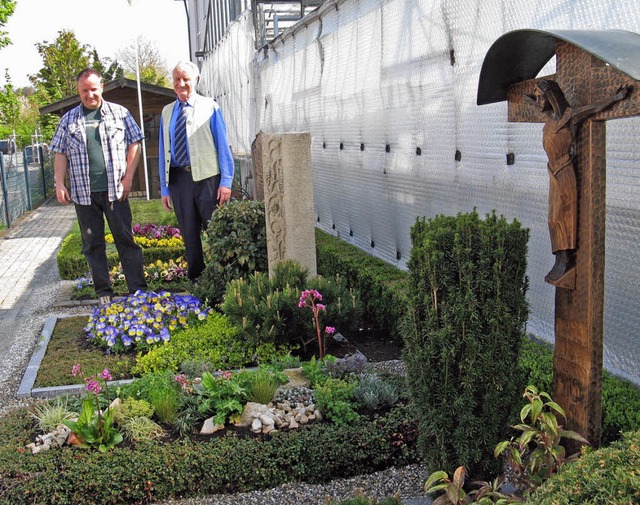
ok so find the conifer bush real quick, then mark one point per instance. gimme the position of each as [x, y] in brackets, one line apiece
[463, 331]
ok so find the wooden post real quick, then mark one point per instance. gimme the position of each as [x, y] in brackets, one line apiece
[579, 309]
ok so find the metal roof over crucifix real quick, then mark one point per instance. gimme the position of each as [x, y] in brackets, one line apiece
[519, 55]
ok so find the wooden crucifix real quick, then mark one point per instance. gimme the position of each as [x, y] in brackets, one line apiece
[595, 92]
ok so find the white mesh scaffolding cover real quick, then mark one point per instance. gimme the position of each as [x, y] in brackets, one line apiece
[388, 91]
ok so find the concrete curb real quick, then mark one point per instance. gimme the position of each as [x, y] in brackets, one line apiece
[26, 389]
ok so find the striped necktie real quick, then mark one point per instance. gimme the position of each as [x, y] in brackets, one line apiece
[180, 137]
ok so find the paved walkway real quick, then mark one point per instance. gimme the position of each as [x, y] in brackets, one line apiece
[29, 278]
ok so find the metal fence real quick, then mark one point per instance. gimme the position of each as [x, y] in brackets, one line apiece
[26, 181]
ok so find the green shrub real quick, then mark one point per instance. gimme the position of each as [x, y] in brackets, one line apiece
[620, 408]
[262, 384]
[131, 407]
[620, 398]
[464, 326]
[72, 263]
[536, 359]
[266, 309]
[214, 340]
[235, 246]
[335, 400]
[606, 476]
[383, 287]
[156, 471]
[374, 393]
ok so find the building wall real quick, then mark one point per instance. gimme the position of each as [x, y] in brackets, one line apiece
[388, 90]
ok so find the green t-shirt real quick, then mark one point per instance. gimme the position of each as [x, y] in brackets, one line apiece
[97, 166]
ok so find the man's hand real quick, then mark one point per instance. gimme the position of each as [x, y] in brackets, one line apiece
[166, 203]
[127, 183]
[223, 195]
[63, 195]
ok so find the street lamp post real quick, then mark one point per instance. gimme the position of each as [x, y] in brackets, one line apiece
[144, 144]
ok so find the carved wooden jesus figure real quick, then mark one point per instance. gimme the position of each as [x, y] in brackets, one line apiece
[558, 137]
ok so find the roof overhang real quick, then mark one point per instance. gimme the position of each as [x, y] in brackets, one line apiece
[520, 55]
[65, 104]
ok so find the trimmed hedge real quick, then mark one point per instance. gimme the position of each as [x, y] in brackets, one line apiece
[72, 263]
[229, 464]
[383, 288]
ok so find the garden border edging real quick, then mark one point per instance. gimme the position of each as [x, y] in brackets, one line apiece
[26, 389]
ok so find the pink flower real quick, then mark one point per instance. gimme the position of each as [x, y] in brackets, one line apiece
[76, 370]
[329, 330]
[93, 386]
[224, 375]
[319, 306]
[106, 375]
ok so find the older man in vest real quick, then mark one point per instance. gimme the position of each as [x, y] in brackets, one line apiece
[195, 162]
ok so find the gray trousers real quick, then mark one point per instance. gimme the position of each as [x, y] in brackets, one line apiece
[91, 221]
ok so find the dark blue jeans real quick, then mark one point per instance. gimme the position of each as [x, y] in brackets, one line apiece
[193, 203]
[91, 221]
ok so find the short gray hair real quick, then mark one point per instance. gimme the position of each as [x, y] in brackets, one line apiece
[191, 68]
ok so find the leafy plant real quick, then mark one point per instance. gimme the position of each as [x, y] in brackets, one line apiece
[537, 453]
[317, 370]
[221, 395]
[455, 494]
[93, 427]
[235, 247]
[335, 400]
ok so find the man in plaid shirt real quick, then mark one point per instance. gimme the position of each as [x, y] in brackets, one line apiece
[98, 145]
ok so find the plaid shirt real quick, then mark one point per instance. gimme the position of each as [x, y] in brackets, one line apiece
[118, 130]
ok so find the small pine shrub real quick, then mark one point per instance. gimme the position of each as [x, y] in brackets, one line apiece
[266, 310]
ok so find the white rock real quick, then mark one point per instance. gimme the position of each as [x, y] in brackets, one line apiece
[209, 427]
[251, 411]
[256, 426]
[266, 420]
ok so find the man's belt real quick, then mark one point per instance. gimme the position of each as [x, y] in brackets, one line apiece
[186, 168]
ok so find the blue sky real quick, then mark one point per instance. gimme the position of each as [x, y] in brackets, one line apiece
[107, 25]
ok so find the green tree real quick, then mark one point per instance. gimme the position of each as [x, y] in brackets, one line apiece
[6, 10]
[62, 60]
[110, 69]
[153, 67]
[10, 107]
